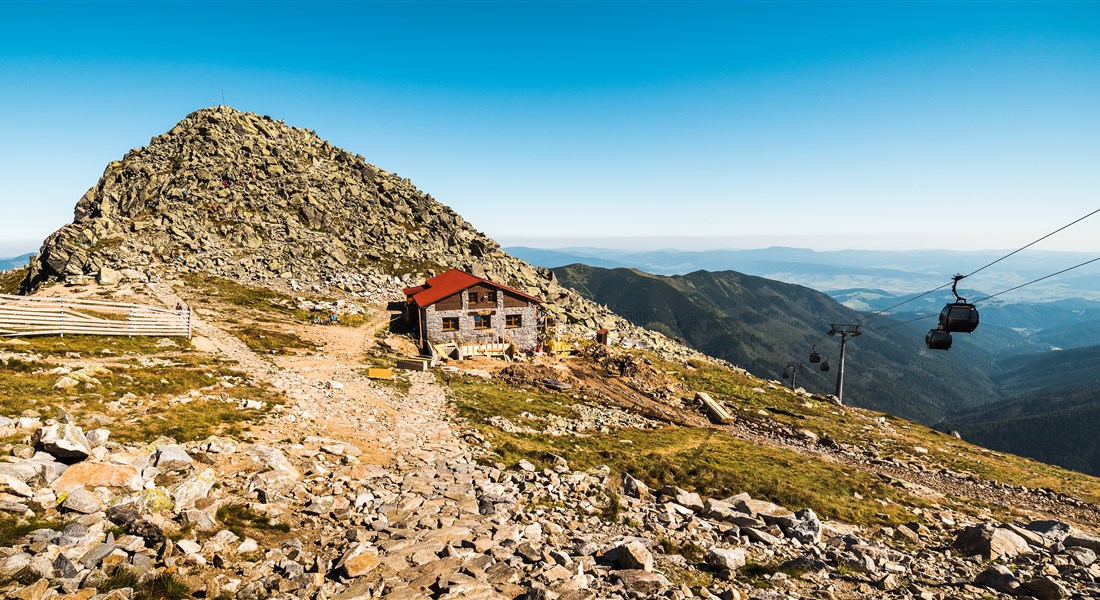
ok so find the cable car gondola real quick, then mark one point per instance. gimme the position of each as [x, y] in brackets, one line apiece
[825, 364]
[814, 356]
[938, 339]
[960, 316]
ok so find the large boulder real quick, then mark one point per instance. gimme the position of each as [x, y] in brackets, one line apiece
[990, 542]
[108, 276]
[806, 527]
[64, 442]
[726, 559]
[630, 555]
[1082, 540]
[172, 457]
[92, 474]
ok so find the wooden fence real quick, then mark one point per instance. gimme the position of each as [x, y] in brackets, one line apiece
[28, 315]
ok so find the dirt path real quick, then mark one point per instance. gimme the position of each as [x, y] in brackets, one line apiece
[330, 396]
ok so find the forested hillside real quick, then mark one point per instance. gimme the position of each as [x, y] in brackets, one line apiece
[1050, 412]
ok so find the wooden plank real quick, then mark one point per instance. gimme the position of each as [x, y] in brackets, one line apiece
[413, 364]
[376, 373]
[715, 410]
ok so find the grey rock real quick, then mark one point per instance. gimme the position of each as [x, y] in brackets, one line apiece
[63, 442]
[108, 276]
[82, 501]
[730, 559]
[96, 554]
[642, 582]
[219, 445]
[999, 578]
[634, 488]
[172, 457]
[806, 528]
[990, 542]
[1082, 540]
[682, 497]
[631, 555]
[97, 437]
[760, 536]
[1081, 555]
[63, 567]
[1050, 529]
[1045, 588]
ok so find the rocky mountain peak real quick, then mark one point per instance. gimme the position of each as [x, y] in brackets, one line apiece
[245, 196]
[249, 198]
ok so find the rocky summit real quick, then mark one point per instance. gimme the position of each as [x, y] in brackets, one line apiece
[250, 198]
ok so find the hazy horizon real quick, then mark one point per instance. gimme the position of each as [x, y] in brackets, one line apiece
[889, 125]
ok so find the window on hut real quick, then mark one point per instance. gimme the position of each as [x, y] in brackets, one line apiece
[483, 321]
[450, 323]
[513, 321]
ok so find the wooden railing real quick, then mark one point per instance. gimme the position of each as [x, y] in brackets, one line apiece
[29, 315]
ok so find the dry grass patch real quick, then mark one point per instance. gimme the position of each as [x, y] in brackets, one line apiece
[264, 304]
[267, 341]
[11, 281]
[181, 395]
[890, 436]
[96, 345]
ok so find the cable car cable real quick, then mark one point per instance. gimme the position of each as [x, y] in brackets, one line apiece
[1037, 280]
[1018, 250]
[1033, 243]
[1011, 289]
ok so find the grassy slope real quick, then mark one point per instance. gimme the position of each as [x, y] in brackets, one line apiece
[718, 464]
[155, 376]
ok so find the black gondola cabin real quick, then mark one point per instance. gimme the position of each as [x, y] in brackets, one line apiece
[938, 339]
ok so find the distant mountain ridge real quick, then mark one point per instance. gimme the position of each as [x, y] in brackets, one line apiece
[17, 262]
[897, 272]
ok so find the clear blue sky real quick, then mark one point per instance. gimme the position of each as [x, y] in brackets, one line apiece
[936, 124]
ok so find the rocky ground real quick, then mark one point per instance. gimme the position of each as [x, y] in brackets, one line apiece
[357, 488]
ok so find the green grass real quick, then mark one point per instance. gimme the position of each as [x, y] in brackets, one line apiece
[264, 303]
[122, 578]
[708, 461]
[195, 420]
[691, 551]
[10, 281]
[28, 385]
[162, 586]
[858, 428]
[238, 518]
[94, 345]
[14, 528]
[244, 296]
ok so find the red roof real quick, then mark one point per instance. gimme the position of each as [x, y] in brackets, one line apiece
[450, 283]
